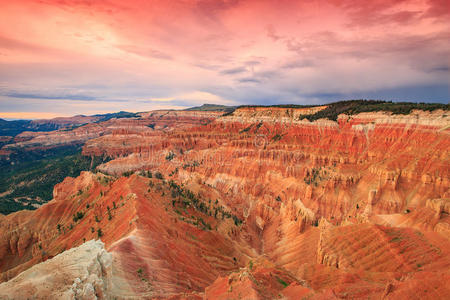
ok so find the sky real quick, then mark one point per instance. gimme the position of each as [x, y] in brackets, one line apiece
[67, 57]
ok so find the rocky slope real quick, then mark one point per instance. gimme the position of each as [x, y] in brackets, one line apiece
[358, 166]
[13, 128]
[83, 272]
[154, 235]
[257, 204]
[94, 128]
[29, 152]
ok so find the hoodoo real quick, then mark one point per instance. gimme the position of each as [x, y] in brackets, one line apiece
[259, 203]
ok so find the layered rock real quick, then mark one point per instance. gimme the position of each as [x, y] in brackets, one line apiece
[329, 166]
[277, 206]
[90, 128]
[261, 279]
[158, 247]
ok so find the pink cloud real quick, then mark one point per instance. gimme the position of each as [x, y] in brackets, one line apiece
[281, 49]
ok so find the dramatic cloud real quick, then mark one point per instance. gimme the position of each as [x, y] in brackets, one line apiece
[81, 56]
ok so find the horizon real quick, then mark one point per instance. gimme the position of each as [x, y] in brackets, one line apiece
[50, 116]
[92, 57]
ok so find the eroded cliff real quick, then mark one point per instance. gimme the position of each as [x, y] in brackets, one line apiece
[355, 208]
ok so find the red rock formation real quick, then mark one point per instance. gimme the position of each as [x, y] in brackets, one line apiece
[259, 280]
[145, 124]
[356, 208]
[152, 242]
[352, 157]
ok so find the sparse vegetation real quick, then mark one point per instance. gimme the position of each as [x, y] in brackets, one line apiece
[396, 239]
[29, 176]
[282, 282]
[213, 107]
[357, 106]
[127, 173]
[246, 129]
[78, 216]
[170, 156]
[104, 180]
[278, 105]
[276, 137]
[147, 174]
[15, 127]
[313, 176]
[183, 199]
[191, 165]
[236, 220]
[175, 171]
[109, 213]
[116, 115]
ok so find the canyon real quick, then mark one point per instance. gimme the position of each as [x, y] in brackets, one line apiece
[257, 203]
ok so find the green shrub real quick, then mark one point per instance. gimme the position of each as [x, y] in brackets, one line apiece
[281, 281]
[127, 173]
[276, 137]
[170, 156]
[78, 216]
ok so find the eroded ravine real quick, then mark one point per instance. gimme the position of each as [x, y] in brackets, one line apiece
[349, 209]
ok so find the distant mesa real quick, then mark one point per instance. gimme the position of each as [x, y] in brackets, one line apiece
[212, 107]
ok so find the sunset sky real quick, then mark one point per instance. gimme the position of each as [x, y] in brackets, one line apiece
[66, 57]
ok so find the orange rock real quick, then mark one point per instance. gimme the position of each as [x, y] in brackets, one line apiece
[350, 209]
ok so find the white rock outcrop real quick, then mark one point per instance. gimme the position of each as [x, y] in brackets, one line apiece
[83, 272]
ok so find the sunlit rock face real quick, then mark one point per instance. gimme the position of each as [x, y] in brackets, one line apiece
[277, 207]
[366, 162]
[83, 272]
[86, 128]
